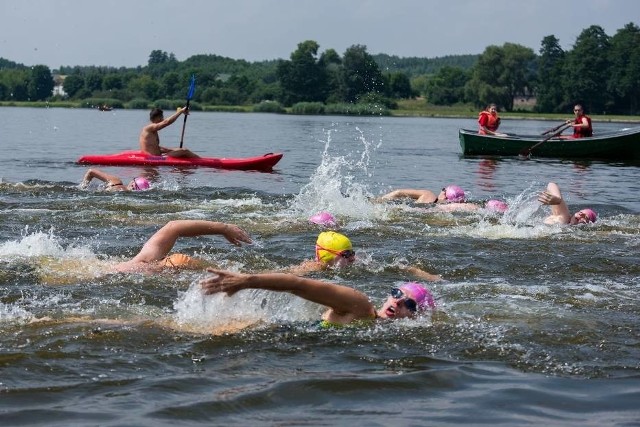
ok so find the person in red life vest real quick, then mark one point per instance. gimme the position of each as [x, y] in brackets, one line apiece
[489, 121]
[582, 123]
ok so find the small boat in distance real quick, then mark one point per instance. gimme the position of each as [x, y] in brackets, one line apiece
[104, 107]
[623, 144]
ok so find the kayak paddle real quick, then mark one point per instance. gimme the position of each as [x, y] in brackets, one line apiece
[526, 152]
[192, 88]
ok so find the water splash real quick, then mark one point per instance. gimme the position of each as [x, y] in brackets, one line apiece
[337, 185]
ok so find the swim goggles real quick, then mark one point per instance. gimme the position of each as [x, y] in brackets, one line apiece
[347, 253]
[410, 303]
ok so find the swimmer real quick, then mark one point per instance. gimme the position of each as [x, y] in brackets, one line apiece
[334, 250]
[345, 305]
[113, 182]
[560, 211]
[451, 198]
[154, 255]
[324, 219]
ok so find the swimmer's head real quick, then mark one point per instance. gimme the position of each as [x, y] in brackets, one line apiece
[139, 183]
[496, 205]
[323, 218]
[453, 193]
[584, 216]
[331, 245]
[421, 295]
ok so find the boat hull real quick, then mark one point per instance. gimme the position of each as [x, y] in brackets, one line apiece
[265, 162]
[624, 144]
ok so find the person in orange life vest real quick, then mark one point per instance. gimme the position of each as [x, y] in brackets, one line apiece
[582, 124]
[489, 121]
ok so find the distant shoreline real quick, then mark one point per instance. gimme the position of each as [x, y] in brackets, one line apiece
[406, 109]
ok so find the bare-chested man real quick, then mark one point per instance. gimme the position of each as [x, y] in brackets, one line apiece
[150, 140]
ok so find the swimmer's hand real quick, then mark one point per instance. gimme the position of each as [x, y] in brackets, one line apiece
[223, 281]
[235, 234]
[547, 198]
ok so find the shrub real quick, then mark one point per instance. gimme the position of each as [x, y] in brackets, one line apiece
[308, 108]
[357, 109]
[268, 107]
[96, 102]
[137, 104]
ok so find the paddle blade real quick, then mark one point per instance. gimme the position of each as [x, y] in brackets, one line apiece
[192, 87]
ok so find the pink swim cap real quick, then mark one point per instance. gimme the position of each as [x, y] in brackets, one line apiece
[590, 214]
[422, 295]
[453, 193]
[496, 205]
[323, 218]
[140, 183]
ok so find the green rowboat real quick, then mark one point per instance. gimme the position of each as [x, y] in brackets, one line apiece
[622, 144]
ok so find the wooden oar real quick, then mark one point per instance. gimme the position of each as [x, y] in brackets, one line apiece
[526, 152]
[192, 88]
[553, 129]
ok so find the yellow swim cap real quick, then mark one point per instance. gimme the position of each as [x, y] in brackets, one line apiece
[333, 242]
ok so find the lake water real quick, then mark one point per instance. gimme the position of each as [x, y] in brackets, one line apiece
[535, 324]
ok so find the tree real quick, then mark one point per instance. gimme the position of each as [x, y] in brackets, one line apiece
[41, 83]
[501, 74]
[549, 91]
[303, 78]
[624, 75]
[447, 86]
[586, 70]
[360, 72]
[399, 85]
[72, 84]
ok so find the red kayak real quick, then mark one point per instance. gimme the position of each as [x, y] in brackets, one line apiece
[137, 158]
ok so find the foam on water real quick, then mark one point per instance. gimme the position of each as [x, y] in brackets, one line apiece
[220, 313]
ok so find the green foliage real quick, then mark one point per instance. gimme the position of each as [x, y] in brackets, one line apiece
[360, 73]
[137, 104]
[97, 102]
[500, 74]
[309, 108]
[268, 107]
[600, 72]
[414, 67]
[40, 86]
[447, 86]
[586, 70]
[348, 109]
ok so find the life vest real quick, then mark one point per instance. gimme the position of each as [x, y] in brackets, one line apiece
[489, 121]
[582, 132]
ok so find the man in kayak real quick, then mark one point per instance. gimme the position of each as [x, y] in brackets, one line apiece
[154, 255]
[113, 182]
[345, 305]
[560, 211]
[150, 140]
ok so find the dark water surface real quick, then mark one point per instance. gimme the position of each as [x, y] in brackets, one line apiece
[535, 324]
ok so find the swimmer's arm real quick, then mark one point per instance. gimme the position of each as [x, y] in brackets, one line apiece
[342, 300]
[421, 274]
[102, 176]
[559, 209]
[159, 245]
[421, 196]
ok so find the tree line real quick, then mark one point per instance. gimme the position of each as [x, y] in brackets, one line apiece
[601, 72]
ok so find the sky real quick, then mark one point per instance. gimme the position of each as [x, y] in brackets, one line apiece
[122, 33]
